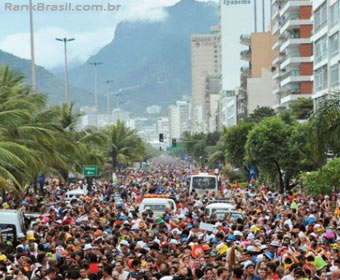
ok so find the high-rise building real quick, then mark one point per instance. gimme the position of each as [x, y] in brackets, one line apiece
[174, 122]
[293, 66]
[326, 48]
[259, 57]
[205, 61]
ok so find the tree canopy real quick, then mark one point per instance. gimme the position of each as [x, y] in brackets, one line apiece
[37, 138]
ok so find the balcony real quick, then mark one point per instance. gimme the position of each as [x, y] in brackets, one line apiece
[293, 42]
[277, 1]
[276, 27]
[245, 39]
[246, 55]
[245, 71]
[294, 58]
[292, 91]
[278, 59]
[276, 44]
[243, 90]
[291, 97]
[293, 5]
[294, 76]
[276, 11]
[293, 21]
[277, 90]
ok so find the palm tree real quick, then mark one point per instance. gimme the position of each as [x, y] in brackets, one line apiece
[217, 152]
[16, 159]
[196, 145]
[123, 144]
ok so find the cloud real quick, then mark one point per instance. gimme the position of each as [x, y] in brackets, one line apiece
[49, 52]
[151, 10]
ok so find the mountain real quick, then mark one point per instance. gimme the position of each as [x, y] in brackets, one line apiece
[150, 61]
[47, 82]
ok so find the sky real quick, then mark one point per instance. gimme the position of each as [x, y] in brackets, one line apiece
[91, 30]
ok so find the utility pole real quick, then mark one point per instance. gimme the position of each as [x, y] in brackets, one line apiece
[65, 40]
[33, 73]
[95, 64]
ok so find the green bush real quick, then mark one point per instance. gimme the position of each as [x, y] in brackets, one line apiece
[324, 180]
[236, 175]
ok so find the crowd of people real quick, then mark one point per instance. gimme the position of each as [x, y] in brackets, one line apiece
[104, 236]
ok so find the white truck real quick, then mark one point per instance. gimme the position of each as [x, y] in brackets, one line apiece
[12, 224]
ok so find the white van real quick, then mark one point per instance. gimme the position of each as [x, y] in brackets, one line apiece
[219, 209]
[157, 205]
[75, 194]
[12, 224]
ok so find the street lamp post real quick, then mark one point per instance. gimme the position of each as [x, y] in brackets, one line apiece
[108, 96]
[117, 97]
[95, 64]
[33, 74]
[65, 40]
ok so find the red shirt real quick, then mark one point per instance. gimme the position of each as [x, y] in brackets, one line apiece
[93, 268]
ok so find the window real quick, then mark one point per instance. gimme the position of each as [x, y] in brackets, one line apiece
[320, 49]
[334, 76]
[320, 17]
[334, 14]
[204, 183]
[321, 78]
[334, 44]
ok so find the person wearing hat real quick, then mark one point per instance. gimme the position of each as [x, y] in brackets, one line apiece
[124, 247]
[249, 271]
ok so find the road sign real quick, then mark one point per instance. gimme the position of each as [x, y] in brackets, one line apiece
[178, 148]
[174, 143]
[90, 170]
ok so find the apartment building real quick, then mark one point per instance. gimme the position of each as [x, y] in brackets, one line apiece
[326, 48]
[258, 56]
[205, 61]
[293, 66]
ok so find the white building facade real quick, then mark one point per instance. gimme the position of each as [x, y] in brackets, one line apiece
[326, 48]
[174, 122]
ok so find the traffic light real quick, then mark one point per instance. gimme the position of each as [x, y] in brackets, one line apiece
[161, 137]
[174, 144]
